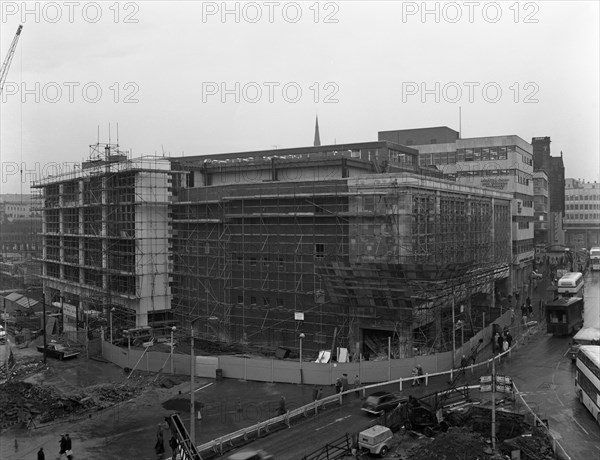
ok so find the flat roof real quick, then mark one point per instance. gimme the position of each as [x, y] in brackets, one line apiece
[592, 352]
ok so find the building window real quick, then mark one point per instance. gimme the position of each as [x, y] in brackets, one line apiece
[319, 250]
[240, 260]
[266, 301]
[240, 299]
[281, 264]
[280, 302]
[252, 300]
[253, 261]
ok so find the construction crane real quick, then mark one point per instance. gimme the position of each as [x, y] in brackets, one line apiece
[8, 59]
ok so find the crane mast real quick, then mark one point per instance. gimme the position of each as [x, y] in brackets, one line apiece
[8, 59]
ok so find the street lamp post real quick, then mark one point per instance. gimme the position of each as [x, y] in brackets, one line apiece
[7, 346]
[192, 375]
[301, 336]
[172, 330]
[453, 334]
[44, 322]
[192, 396]
[110, 314]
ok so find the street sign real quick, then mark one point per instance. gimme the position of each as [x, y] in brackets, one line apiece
[485, 388]
[503, 380]
[485, 379]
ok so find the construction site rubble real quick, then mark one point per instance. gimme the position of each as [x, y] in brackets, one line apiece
[23, 402]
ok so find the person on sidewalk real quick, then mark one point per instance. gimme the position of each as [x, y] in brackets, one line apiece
[415, 373]
[62, 444]
[356, 386]
[41, 455]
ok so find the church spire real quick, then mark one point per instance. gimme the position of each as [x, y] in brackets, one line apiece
[317, 142]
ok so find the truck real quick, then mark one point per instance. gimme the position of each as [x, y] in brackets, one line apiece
[58, 351]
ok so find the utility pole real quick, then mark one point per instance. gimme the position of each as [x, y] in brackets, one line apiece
[44, 322]
[7, 346]
[494, 404]
[192, 395]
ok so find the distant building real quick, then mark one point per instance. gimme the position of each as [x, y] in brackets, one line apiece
[503, 163]
[554, 167]
[541, 208]
[582, 216]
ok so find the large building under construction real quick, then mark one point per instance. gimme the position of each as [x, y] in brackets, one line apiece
[351, 245]
[354, 246]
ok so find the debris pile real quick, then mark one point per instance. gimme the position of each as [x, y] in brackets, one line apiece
[534, 446]
[455, 444]
[22, 402]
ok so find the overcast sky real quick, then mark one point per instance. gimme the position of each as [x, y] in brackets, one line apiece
[169, 74]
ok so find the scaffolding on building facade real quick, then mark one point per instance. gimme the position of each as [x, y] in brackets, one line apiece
[106, 234]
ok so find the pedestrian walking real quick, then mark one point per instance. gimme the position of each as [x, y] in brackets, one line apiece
[344, 382]
[415, 374]
[500, 343]
[41, 454]
[356, 386]
[505, 344]
[159, 447]
[68, 447]
[338, 385]
[62, 444]
[320, 393]
[463, 361]
[419, 372]
[315, 391]
[173, 445]
[509, 339]
[495, 342]
[281, 410]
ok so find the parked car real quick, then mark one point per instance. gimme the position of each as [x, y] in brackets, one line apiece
[56, 350]
[251, 455]
[377, 440]
[382, 401]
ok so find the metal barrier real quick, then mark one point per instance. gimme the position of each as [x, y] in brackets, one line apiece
[336, 449]
[558, 449]
[218, 446]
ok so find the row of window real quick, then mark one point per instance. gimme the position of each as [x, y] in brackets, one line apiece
[582, 216]
[583, 206]
[521, 246]
[473, 154]
[581, 197]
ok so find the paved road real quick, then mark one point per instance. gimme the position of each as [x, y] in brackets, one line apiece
[540, 370]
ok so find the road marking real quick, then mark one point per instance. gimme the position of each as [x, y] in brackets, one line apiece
[337, 420]
[202, 388]
[579, 425]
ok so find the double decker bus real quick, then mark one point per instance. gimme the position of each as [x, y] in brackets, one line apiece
[587, 378]
[595, 258]
[564, 315]
[571, 285]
